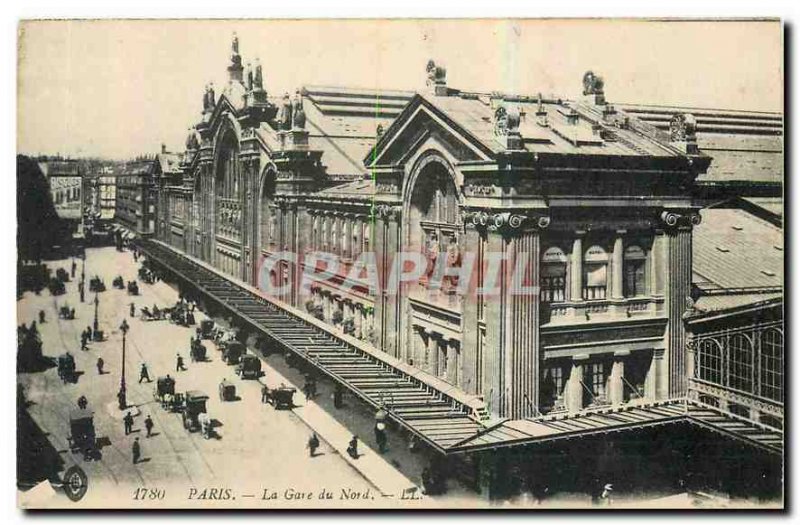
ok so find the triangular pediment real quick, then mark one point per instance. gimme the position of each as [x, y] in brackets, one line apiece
[419, 121]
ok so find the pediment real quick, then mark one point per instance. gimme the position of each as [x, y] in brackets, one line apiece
[415, 126]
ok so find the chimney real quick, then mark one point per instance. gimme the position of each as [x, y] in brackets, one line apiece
[163, 148]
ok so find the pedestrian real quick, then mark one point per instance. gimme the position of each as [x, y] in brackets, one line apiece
[89, 333]
[72, 270]
[82, 402]
[80, 289]
[33, 329]
[41, 316]
[338, 394]
[128, 422]
[352, 449]
[605, 496]
[264, 394]
[144, 374]
[148, 425]
[179, 364]
[84, 346]
[72, 314]
[313, 444]
[100, 364]
[137, 451]
[133, 309]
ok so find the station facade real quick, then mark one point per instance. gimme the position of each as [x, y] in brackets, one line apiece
[586, 208]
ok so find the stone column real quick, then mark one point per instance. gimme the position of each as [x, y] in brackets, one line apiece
[573, 392]
[657, 256]
[616, 267]
[654, 383]
[576, 266]
[432, 354]
[616, 385]
[452, 361]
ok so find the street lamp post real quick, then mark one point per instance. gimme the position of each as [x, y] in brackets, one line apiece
[122, 396]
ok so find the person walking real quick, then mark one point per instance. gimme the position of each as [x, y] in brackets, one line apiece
[179, 366]
[148, 425]
[82, 402]
[72, 270]
[338, 396]
[41, 316]
[144, 374]
[137, 451]
[133, 309]
[380, 436]
[313, 444]
[264, 394]
[128, 422]
[100, 364]
[352, 449]
[84, 340]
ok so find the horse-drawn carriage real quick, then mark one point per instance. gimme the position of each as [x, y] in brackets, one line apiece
[133, 288]
[56, 287]
[156, 314]
[198, 351]
[206, 329]
[146, 276]
[118, 282]
[66, 367]
[194, 404]
[62, 275]
[249, 367]
[82, 435]
[164, 392]
[66, 313]
[96, 284]
[227, 391]
[281, 397]
[232, 351]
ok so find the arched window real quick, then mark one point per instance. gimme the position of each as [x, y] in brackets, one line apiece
[740, 363]
[553, 275]
[772, 364]
[709, 361]
[634, 271]
[595, 273]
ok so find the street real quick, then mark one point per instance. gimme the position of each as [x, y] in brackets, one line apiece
[259, 451]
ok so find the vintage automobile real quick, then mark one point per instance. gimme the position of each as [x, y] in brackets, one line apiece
[66, 367]
[249, 367]
[227, 391]
[82, 436]
[66, 313]
[96, 284]
[206, 329]
[232, 352]
[133, 288]
[118, 282]
[164, 391]
[56, 287]
[194, 404]
[281, 397]
[197, 351]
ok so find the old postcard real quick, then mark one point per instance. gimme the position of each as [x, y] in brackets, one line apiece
[400, 264]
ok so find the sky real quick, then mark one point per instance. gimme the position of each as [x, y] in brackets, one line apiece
[118, 89]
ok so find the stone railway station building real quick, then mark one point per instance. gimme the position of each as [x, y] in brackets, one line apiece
[622, 211]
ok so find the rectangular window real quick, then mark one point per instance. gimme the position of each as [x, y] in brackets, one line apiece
[634, 280]
[595, 279]
[553, 282]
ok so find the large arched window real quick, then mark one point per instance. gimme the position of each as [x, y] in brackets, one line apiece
[772, 365]
[554, 275]
[633, 267]
[740, 363]
[595, 273]
[709, 361]
[227, 173]
[433, 220]
[266, 210]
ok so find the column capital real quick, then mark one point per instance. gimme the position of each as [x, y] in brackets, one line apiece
[622, 231]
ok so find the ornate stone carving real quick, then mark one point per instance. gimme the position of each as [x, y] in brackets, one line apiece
[386, 187]
[436, 74]
[386, 212]
[674, 219]
[592, 84]
[475, 189]
[682, 127]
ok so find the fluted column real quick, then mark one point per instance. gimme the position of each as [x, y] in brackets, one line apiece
[616, 385]
[573, 392]
[576, 267]
[616, 266]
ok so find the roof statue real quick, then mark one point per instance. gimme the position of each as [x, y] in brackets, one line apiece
[205, 100]
[258, 81]
[234, 46]
[436, 74]
[298, 114]
[285, 115]
[506, 121]
[249, 77]
[682, 127]
[191, 140]
[592, 84]
[379, 132]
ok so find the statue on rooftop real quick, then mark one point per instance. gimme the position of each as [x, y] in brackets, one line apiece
[436, 74]
[298, 114]
[592, 84]
[249, 77]
[259, 80]
[285, 115]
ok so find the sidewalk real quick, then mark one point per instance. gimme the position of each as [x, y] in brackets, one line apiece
[370, 464]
